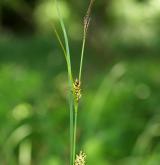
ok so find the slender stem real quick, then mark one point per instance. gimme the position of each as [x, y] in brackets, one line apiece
[70, 98]
[0, 16]
[70, 80]
[66, 43]
[71, 127]
[82, 55]
[75, 132]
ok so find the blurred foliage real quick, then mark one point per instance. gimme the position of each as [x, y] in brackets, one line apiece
[119, 116]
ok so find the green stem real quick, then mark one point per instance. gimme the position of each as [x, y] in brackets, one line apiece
[66, 44]
[70, 79]
[71, 127]
[75, 133]
[82, 55]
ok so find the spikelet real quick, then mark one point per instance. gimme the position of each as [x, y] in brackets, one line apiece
[87, 18]
[77, 90]
[80, 159]
[86, 23]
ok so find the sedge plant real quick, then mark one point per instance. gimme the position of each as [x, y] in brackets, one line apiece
[74, 84]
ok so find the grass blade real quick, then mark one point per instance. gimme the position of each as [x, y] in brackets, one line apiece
[66, 43]
[60, 42]
[70, 80]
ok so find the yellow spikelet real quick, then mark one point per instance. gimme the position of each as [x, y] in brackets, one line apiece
[77, 89]
[80, 159]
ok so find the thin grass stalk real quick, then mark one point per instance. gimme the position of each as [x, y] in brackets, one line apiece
[82, 55]
[70, 81]
[86, 25]
[71, 129]
[75, 132]
[66, 44]
[69, 99]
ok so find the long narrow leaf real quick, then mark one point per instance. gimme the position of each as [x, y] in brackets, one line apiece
[66, 43]
[60, 42]
[70, 80]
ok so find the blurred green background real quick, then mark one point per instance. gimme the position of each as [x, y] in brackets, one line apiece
[119, 115]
